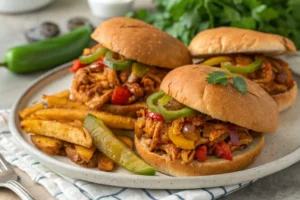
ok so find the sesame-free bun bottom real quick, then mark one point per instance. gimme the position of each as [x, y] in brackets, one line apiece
[213, 165]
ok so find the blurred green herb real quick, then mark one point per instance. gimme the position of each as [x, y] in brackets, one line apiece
[221, 78]
[183, 19]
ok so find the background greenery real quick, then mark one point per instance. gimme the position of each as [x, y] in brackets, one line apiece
[183, 19]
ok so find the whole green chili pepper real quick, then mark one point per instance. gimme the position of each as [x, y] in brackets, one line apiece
[47, 54]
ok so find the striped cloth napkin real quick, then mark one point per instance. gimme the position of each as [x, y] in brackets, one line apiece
[65, 188]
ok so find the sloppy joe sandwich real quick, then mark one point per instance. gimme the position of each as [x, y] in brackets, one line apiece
[196, 128]
[251, 54]
[127, 65]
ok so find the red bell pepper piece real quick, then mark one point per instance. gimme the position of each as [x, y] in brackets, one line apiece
[76, 66]
[155, 116]
[201, 153]
[120, 95]
[222, 150]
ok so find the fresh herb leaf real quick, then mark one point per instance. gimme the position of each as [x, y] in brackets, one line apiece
[222, 78]
[216, 77]
[240, 84]
[223, 81]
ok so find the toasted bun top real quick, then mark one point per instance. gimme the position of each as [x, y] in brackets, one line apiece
[226, 40]
[255, 110]
[142, 42]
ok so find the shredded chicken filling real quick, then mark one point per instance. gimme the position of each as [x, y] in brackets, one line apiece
[94, 84]
[207, 131]
[274, 76]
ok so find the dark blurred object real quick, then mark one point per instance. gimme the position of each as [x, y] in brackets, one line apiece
[183, 19]
[76, 22]
[43, 31]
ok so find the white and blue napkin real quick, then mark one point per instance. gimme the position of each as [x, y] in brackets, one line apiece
[65, 188]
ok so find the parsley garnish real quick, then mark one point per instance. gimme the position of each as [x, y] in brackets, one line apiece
[222, 78]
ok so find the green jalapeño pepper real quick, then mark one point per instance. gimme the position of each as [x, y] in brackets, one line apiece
[162, 99]
[139, 69]
[115, 64]
[245, 69]
[152, 99]
[173, 114]
[93, 57]
[49, 53]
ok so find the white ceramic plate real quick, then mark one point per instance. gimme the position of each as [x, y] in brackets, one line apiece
[282, 149]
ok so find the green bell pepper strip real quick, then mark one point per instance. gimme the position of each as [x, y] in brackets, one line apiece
[139, 69]
[49, 53]
[110, 62]
[245, 69]
[173, 114]
[152, 99]
[165, 99]
[93, 57]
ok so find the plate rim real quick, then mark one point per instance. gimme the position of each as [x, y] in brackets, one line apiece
[252, 173]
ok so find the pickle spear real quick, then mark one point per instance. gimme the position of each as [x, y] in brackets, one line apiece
[112, 147]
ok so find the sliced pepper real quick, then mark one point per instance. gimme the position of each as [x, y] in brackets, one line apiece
[201, 153]
[173, 114]
[181, 141]
[165, 99]
[115, 64]
[216, 60]
[152, 99]
[155, 116]
[93, 57]
[139, 69]
[243, 69]
[222, 150]
[76, 65]
[120, 95]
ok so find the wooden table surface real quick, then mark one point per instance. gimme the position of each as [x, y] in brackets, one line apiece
[282, 185]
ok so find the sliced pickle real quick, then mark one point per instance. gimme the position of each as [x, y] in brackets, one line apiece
[112, 147]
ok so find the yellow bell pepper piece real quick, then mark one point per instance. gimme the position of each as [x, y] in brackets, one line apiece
[216, 60]
[180, 141]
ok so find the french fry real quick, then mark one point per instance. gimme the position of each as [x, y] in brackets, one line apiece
[85, 153]
[48, 145]
[126, 140]
[58, 130]
[105, 163]
[124, 110]
[32, 109]
[61, 114]
[63, 94]
[57, 102]
[76, 158]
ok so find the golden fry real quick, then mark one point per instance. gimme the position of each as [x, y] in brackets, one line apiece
[58, 130]
[63, 94]
[31, 109]
[85, 153]
[61, 114]
[124, 110]
[76, 158]
[57, 102]
[105, 163]
[48, 145]
[126, 140]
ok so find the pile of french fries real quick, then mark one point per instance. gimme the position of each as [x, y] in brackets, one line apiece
[56, 128]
